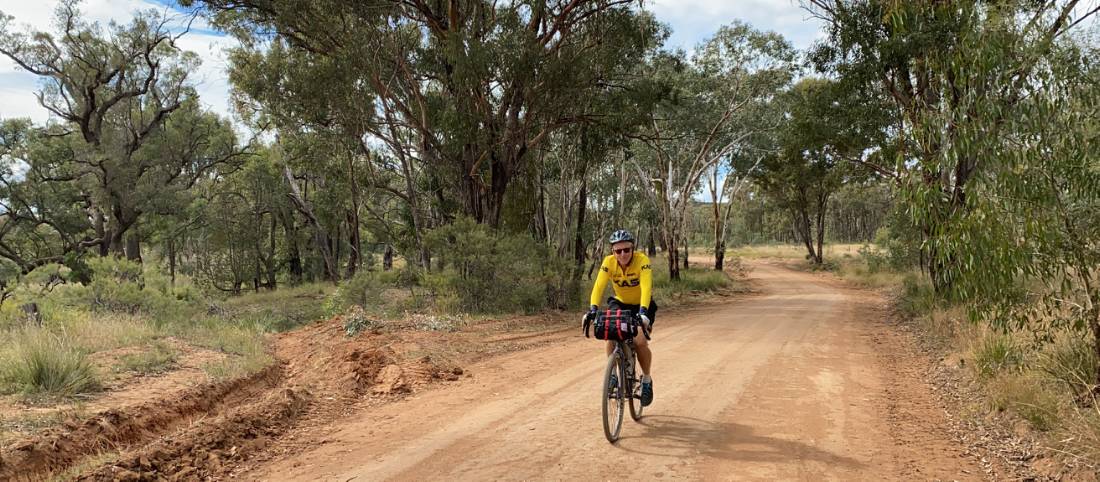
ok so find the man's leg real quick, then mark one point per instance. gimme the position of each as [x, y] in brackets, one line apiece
[641, 346]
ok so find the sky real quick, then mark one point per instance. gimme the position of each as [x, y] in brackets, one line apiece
[691, 22]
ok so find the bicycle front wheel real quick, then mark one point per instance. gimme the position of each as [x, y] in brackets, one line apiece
[613, 395]
[634, 385]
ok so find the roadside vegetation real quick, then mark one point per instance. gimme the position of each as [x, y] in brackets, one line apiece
[944, 150]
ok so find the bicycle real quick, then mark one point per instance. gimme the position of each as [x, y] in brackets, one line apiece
[619, 379]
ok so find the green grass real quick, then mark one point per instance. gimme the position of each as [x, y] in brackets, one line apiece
[994, 353]
[276, 311]
[159, 358]
[38, 363]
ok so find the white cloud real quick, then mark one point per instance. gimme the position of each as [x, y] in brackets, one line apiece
[692, 21]
[17, 87]
[17, 98]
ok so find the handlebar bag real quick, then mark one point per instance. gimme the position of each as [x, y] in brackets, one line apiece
[615, 325]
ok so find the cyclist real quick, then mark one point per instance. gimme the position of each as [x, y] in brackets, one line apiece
[632, 280]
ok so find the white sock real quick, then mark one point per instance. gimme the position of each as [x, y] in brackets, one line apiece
[646, 379]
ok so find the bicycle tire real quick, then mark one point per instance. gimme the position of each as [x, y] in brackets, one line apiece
[612, 398]
[635, 387]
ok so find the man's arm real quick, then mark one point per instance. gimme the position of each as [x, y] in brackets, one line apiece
[646, 277]
[601, 284]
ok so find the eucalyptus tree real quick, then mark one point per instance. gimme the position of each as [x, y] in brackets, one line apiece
[828, 132]
[42, 220]
[956, 71]
[127, 113]
[1027, 245]
[713, 109]
[461, 93]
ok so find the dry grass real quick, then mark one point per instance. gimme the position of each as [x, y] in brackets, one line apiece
[794, 251]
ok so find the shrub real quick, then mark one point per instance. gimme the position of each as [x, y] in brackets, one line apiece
[364, 290]
[917, 297]
[123, 286]
[356, 321]
[993, 353]
[44, 364]
[1071, 361]
[875, 259]
[486, 271]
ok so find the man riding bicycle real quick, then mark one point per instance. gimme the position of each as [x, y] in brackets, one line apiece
[632, 281]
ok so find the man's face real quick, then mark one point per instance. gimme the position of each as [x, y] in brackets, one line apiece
[623, 251]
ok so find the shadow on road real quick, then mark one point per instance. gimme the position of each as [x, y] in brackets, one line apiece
[680, 437]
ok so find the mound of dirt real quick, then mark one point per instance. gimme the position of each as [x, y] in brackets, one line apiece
[324, 357]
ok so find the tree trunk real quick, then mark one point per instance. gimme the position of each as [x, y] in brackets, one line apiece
[651, 243]
[171, 245]
[719, 255]
[804, 233]
[355, 257]
[686, 249]
[320, 237]
[133, 247]
[823, 206]
[101, 233]
[387, 258]
[673, 253]
[294, 255]
[578, 241]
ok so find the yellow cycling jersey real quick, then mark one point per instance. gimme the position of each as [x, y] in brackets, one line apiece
[633, 284]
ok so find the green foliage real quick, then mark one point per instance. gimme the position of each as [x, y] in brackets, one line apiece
[157, 358]
[875, 259]
[1071, 361]
[356, 321]
[917, 298]
[37, 363]
[122, 286]
[487, 271]
[692, 280]
[363, 290]
[994, 353]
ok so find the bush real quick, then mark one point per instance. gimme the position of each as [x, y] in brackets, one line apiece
[875, 259]
[123, 286]
[993, 353]
[364, 290]
[486, 271]
[1070, 360]
[917, 297]
[356, 321]
[1027, 397]
[43, 364]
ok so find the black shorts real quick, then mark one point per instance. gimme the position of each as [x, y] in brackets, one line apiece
[651, 312]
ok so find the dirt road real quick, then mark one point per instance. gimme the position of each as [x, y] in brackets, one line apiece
[802, 380]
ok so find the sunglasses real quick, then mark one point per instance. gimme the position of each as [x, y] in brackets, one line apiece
[623, 251]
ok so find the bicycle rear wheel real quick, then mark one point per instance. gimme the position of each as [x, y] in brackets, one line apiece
[613, 395]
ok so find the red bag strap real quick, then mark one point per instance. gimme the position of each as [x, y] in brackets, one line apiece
[618, 322]
[607, 324]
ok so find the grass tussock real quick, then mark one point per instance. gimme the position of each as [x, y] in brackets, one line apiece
[40, 364]
[159, 358]
[995, 353]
